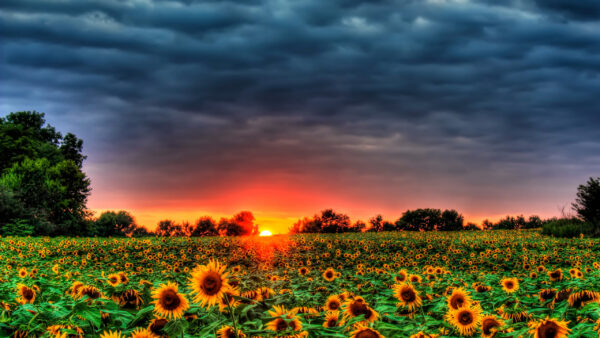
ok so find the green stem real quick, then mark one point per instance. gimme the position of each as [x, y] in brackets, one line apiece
[232, 315]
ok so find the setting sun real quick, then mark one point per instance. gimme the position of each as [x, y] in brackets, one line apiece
[265, 233]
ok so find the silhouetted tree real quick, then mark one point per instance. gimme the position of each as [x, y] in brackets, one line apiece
[166, 228]
[333, 222]
[306, 225]
[419, 219]
[450, 220]
[205, 226]
[376, 223]
[358, 226]
[587, 203]
[241, 224]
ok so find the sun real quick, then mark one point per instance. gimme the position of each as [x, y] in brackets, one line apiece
[265, 233]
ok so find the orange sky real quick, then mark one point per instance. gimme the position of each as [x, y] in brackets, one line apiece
[277, 206]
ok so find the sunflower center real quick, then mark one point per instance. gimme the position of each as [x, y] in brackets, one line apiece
[329, 274]
[170, 300]
[465, 317]
[548, 330]
[332, 322]
[408, 295]
[212, 284]
[281, 324]
[158, 324]
[368, 333]
[333, 305]
[488, 324]
[28, 293]
[457, 301]
[509, 285]
[358, 308]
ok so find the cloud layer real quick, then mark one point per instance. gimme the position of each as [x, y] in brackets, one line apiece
[367, 106]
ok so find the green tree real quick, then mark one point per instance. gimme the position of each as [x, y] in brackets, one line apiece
[42, 173]
[117, 224]
[587, 203]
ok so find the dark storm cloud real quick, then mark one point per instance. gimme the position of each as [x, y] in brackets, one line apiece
[472, 93]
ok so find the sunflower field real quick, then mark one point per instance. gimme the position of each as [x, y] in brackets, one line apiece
[402, 284]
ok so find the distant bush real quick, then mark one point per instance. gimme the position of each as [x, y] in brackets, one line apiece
[568, 228]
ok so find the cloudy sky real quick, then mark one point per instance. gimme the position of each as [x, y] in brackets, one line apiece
[288, 107]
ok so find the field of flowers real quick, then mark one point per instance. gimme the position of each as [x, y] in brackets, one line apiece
[493, 283]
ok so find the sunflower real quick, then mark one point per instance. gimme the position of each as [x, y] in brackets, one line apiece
[407, 295]
[490, 325]
[510, 285]
[168, 302]
[549, 328]
[415, 279]
[332, 319]
[555, 275]
[421, 334]
[22, 273]
[130, 299]
[110, 334]
[401, 276]
[365, 332]
[113, 279]
[357, 306]
[333, 303]
[329, 274]
[142, 333]
[209, 282]
[91, 292]
[465, 319]
[581, 298]
[228, 300]
[303, 271]
[26, 294]
[157, 325]
[229, 332]
[546, 295]
[283, 320]
[459, 298]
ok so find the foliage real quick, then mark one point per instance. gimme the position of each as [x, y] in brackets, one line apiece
[587, 203]
[41, 176]
[328, 221]
[568, 228]
[430, 219]
[241, 224]
[121, 223]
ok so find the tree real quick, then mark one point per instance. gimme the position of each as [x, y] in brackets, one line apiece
[205, 226]
[358, 226]
[451, 220]
[306, 225]
[168, 228]
[333, 222]
[587, 203]
[241, 224]
[419, 219]
[42, 172]
[376, 223]
[117, 224]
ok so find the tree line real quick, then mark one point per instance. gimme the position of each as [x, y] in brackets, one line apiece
[121, 223]
[43, 192]
[428, 219]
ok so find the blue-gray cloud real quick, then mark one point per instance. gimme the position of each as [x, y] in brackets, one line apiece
[413, 97]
